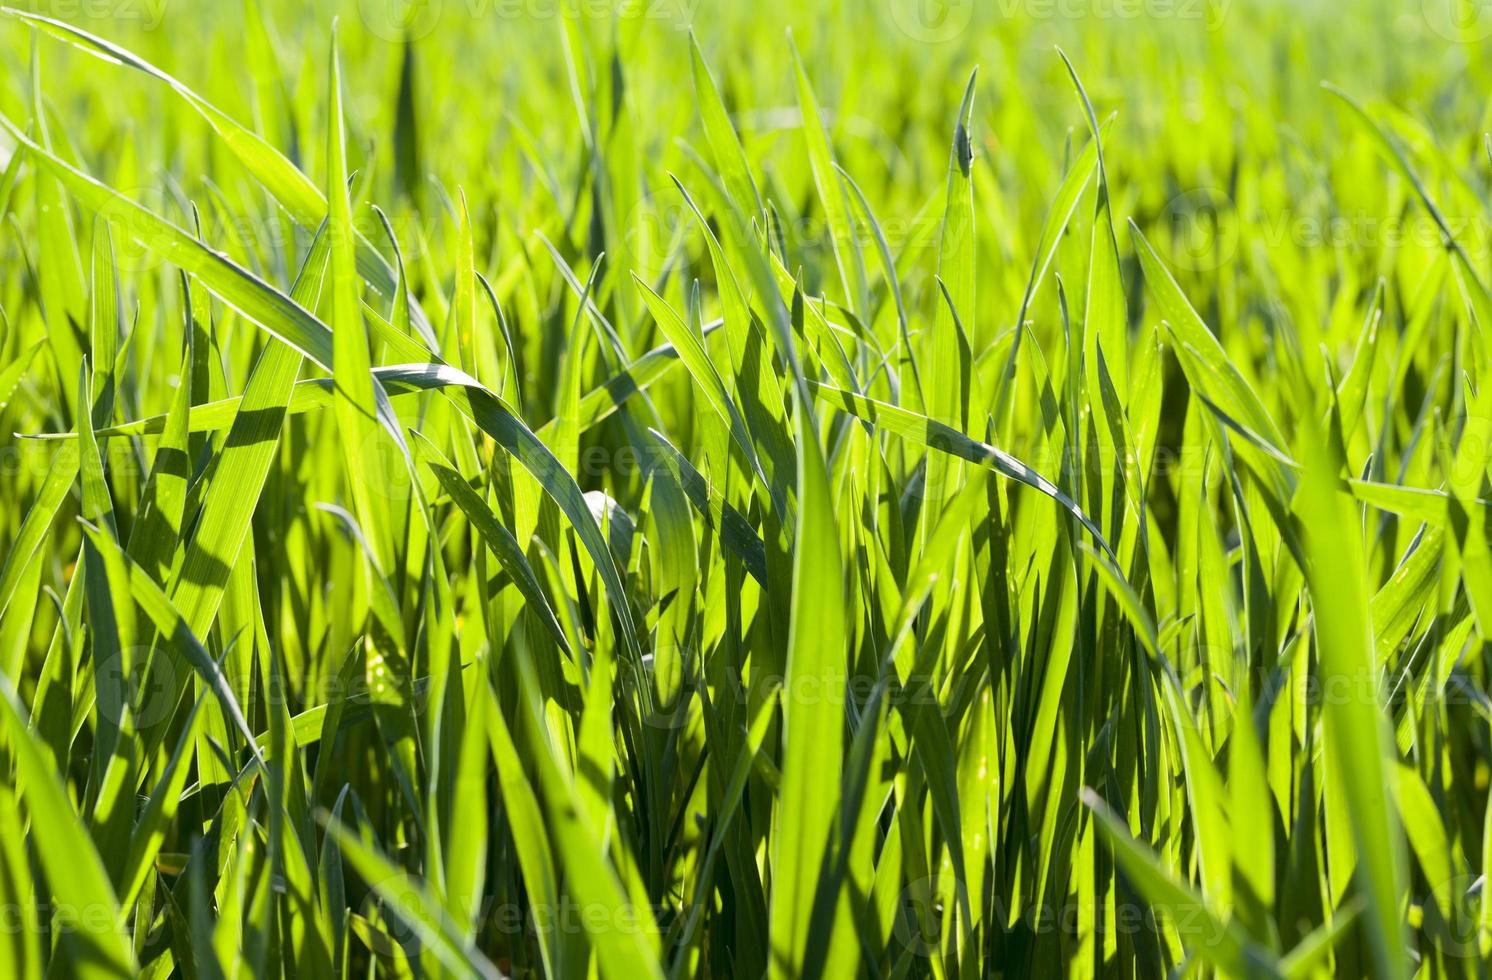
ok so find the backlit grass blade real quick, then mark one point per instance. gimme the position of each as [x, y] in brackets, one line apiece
[1204, 933]
[888, 269]
[285, 318]
[236, 286]
[498, 538]
[313, 394]
[156, 535]
[830, 192]
[1356, 737]
[1052, 231]
[725, 145]
[60, 269]
[354, 399]
[178, 634]
[12, 373]
[1106, 312]
[1219, 379]
[536, 863]
[946, 359]
[164, 801]
[696, 360]
[411, 900]
[61, 473]
[97, 946]
[734, 529]
[494, 418]
[631, 951]
[238, 478]
[292, 188]
[812, 719]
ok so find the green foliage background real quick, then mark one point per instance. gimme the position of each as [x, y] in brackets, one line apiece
[677, 488]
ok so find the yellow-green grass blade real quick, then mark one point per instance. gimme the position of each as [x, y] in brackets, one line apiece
[1105, 325]
[831, 197]
[411, 900]
[946, 354]
[96, 947]
[1357, 743]
[507, 549]
[235, 285]
[314, 394]
[1212, 939]
[292, 188]
[354, 399]
[725, 144]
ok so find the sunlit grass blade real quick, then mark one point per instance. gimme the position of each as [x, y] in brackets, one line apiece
[97, 946]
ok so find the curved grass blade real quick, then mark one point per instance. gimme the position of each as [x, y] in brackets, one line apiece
[314, 394]
[831, 192]
[355, 399]
[293, 189]
[947, 357]
[233, 284]
[411, 900]
[1219, 943]
[61, 473]
[285, 318]
[1357, 739]
[924, 431]
[725, 144]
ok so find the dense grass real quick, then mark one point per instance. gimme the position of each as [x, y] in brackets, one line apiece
[537, 490]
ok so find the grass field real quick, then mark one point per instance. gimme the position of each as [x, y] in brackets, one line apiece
[677, 488]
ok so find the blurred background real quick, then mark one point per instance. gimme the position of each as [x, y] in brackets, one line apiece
[1200, 92]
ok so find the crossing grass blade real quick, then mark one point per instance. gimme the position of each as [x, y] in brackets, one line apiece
[292, 188]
